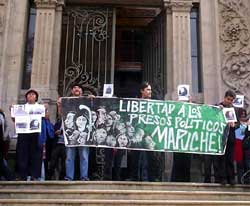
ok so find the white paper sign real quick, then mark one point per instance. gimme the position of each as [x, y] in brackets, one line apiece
[239, 101]
[108, 90]
[28, 117]
[183, 92]
[229, 114]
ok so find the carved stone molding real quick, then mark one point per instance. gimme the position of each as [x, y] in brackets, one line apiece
[49, 3]
[234, 28]
[235, 41]
[178, 5]
[236, 71]
[236, 74]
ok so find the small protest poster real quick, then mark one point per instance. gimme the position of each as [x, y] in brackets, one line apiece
[239, 101]
[142, 124]
[229, 114]
[28, 117]
[108, 90]
[183, 92]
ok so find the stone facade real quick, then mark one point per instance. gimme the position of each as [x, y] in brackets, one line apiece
[12, 41]
[224, 48]
[235, 46]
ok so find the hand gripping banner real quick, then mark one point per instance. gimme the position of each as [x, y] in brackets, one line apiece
[142, 124]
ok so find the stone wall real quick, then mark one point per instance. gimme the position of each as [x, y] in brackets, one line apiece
[235, 46]
[224, 44]
[13, 27]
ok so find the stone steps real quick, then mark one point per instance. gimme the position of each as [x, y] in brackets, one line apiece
[60, 193]
[121, 194]
[67, 202]
[116, 185]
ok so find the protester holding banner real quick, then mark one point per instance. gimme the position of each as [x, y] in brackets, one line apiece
[224, 164]
[76, 91]
[138, 161]
[145, 124]
[28, 149]
[182, 161]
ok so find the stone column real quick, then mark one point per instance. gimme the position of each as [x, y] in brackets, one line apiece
[210, 51]
[46, 47]
[46, 54]
[178, 55]
[2, 70]
[13, 30]
[179, 70]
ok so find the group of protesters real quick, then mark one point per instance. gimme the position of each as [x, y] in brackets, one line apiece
[44, 156]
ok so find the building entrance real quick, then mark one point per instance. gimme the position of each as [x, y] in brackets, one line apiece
[123, 46]
[140, 49]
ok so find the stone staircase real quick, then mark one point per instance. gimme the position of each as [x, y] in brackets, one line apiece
[61, 193]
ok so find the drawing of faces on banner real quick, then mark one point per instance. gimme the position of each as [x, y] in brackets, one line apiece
[100, 136]
[122, 140]
[77, 126]
[111, 141]
[148, 142]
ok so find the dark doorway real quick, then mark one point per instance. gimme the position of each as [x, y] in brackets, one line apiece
[127, 83]
[129, 61]
[139, 51]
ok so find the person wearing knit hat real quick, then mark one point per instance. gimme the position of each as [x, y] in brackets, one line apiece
[29, 157]
[31, 92]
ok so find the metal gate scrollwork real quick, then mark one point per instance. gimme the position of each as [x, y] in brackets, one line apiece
[86, 46]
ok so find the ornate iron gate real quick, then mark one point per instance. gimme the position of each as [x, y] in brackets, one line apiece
[86, 48]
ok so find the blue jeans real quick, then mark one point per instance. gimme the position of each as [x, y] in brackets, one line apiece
[70, 162]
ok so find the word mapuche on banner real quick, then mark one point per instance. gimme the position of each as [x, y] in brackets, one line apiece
[143, 125]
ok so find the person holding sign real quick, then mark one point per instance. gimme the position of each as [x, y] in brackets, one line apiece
[182, 161]
[76, 91]
[139, 159]
[223, 165]
[29, 152]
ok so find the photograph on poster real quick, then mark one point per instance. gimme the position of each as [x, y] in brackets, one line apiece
[229, 114]
[239, 101]
[108, 90]
[28, 117]
[183, 92]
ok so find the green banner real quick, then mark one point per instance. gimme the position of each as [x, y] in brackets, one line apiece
[143, 125]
